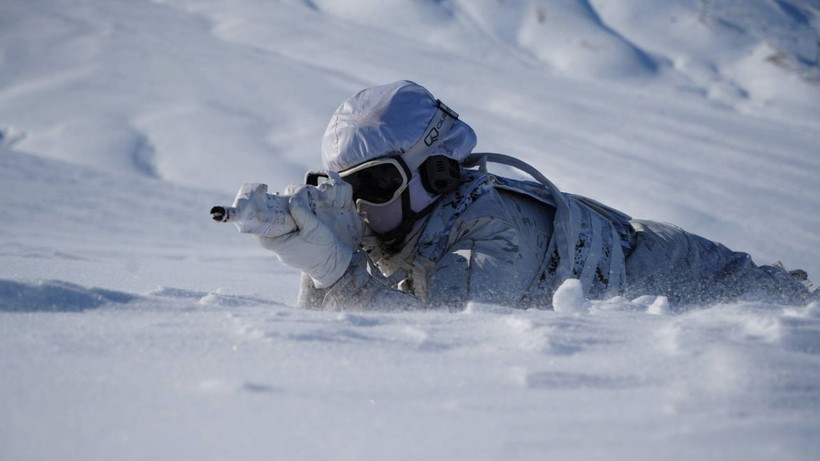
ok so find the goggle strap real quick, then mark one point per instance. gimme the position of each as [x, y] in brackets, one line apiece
[408, 173]
[437, 129]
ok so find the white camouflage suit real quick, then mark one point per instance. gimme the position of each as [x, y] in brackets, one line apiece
[496, 253]
[501, 241]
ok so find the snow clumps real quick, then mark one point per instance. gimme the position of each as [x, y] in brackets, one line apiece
[569, 298]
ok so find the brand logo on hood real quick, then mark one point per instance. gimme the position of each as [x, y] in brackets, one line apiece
[433, 134]
[432, 137]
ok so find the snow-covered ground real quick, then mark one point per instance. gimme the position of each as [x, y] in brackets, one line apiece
[132, 327]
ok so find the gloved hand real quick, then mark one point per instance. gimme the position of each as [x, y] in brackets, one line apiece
[327, 233]
[260, 213]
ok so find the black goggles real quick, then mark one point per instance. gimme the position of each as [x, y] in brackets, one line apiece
[377, 182]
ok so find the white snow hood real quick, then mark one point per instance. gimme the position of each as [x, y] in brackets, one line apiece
[387, 120]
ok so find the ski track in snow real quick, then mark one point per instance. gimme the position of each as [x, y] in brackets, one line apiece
[132, 327]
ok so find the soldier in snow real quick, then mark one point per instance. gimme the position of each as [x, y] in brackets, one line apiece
[441, 231]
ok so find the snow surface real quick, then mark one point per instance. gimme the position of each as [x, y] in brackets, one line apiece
[132, 327]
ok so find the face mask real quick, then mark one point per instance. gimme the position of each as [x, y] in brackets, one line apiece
[382, 219]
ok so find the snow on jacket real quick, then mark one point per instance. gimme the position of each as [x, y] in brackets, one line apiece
[513, 243]
[494, 240]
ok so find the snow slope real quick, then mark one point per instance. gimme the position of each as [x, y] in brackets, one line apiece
[131, 327]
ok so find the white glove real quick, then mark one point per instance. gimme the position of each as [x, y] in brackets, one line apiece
[322, 248]
[260, 213]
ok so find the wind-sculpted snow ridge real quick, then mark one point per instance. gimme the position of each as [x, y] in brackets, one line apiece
[60, 296]
[736, 53]
[743, 54]
[55, 296]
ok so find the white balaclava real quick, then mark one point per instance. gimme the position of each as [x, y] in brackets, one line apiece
[386, 121]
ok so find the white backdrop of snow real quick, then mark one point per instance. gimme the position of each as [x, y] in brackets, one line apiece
[131, 327]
